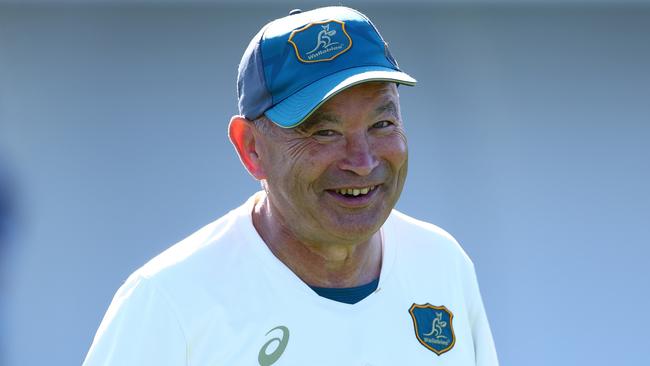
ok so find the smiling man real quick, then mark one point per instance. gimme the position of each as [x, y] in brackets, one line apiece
[330, 183]
[317, 268]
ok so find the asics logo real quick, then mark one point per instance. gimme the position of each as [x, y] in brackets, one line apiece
[268, 359]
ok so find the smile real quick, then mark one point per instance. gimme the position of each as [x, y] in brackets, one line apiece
[355, 191]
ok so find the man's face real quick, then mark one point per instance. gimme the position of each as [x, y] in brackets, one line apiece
[336, 177]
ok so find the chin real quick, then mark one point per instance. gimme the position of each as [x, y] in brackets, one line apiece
[356, 227]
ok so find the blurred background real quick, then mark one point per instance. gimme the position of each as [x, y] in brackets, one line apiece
[529, 142]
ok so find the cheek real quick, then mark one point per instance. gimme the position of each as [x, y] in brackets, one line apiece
[300, 165]
[394, 148]
[317, 158]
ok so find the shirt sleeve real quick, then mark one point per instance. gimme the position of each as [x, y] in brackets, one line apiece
[139, 328]
[484, 350]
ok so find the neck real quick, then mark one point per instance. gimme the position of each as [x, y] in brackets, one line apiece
[329, 264]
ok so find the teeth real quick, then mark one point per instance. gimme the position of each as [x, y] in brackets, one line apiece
[355, 191]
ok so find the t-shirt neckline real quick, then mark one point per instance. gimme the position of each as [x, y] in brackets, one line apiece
[293, 283]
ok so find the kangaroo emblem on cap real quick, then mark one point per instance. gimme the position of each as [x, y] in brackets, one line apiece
[324, 40]
[331, 39]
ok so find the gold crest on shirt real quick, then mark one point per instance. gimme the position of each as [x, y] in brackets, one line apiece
[433, 327]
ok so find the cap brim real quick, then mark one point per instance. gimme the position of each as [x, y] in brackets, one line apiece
[295, 109]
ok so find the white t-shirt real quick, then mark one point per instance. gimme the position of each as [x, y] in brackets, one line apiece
[220, 297]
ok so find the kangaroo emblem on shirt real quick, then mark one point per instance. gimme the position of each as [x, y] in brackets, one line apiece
[438, 322]
[436, 327]
[324, 41]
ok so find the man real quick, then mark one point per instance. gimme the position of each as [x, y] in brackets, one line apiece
[317, 269]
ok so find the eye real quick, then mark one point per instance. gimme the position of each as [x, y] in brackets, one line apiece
[324, 133]
[382, 124]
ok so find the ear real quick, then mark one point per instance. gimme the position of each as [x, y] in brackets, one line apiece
[242, 136]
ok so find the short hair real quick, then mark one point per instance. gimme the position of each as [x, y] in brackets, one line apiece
[263, 124]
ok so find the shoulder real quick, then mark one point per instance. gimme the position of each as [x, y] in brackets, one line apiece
[417, 236]
[187, 277]
[204, 249]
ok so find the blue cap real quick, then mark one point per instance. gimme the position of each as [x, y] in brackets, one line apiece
[296, 63]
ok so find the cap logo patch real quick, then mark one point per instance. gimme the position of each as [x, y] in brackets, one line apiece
[433, 327]
[320, 41]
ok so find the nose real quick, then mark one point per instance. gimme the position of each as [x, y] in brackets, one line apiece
[359, 156]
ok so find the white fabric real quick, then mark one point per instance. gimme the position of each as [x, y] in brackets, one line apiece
[212, 298]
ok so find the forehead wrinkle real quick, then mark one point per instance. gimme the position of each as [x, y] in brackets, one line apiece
[321, 115]
[389, 106]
